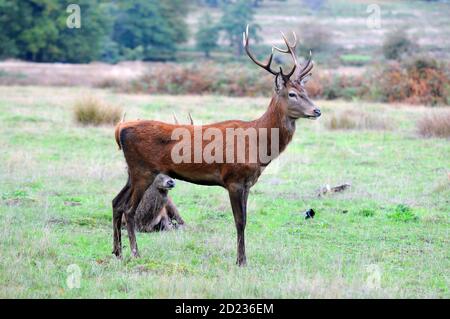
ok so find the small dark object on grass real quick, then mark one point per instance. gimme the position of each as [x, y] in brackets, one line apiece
[340, 188]
[309, 213]
[71, 203]
[344, 211]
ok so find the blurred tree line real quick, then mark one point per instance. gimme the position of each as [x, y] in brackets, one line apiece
[236, 15]
[37, 30]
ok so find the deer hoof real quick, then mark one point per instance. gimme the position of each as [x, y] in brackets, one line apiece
[118, 254]
[241, 263]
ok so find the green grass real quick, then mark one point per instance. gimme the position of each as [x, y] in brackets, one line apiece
[58, 179]
[355, 59]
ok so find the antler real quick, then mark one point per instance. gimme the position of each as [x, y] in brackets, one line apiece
[264, 66]
[306, 69]
[267, 65]
[290, 47]
[291, 50]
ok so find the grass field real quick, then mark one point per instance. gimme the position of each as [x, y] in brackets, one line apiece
[387, 236]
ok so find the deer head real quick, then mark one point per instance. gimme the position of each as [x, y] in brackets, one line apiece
[290, 87]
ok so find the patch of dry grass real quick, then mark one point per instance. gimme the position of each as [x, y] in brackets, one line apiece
[435, 124]
[357, 120]
[93, 111]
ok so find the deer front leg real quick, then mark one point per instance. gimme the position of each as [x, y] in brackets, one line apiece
[139, 187]
[117, 229]
[129, 216]
[119, 205]
[238, 199]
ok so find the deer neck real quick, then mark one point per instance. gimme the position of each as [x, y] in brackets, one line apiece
[275, 117]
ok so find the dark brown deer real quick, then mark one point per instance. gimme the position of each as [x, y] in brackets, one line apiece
[148, 145]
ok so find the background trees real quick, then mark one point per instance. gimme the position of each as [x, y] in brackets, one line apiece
[233, 22]
[207, 35]
[115, 30]
[37, 31]
[111, 31]
[150, 29]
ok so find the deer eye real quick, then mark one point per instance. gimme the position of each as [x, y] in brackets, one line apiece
[292, 95]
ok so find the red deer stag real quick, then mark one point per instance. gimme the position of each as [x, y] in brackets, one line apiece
[148, 147]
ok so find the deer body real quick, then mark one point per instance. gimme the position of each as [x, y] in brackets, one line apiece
[147, 146]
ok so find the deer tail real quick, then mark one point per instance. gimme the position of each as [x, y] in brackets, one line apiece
[117, 131]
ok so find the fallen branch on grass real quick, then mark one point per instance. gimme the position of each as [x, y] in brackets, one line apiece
[326, 189]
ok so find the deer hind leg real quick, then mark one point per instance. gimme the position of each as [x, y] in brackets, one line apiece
[238, 199]
[139, 183]
[119, 205]
[172, 212]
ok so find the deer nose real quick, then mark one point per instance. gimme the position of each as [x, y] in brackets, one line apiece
[170, 183]
[317, 112]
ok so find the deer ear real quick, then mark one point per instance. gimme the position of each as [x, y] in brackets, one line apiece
[279, 83]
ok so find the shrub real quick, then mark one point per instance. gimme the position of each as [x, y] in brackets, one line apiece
[367, 212]
[397, 44]
[315, 86]
[435, 124]
[402, 213]
[356, 120]
[417, 81]
[206, 78]
[342, 86]
[91, 110]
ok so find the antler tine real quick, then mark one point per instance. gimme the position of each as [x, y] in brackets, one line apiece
[175, 118]
[290, 48]
[307, 68]
[287, 76]
[293, 46]
[266, 66]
